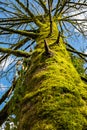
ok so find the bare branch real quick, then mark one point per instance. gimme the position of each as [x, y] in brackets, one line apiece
[8, 92]
[64, 2]
[57, 7]
[43, 5]
[50, 17]
[37, 22]
[71, 49]
[47, 50]
[27, 3]
[78, 3]
[84, 79]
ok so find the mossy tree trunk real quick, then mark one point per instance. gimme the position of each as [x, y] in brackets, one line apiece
[54, 95]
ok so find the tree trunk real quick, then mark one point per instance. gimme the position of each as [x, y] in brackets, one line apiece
[54, 95]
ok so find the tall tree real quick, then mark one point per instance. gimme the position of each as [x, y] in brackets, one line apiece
[49, 93]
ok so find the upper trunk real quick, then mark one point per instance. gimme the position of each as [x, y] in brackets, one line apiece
[54, 97]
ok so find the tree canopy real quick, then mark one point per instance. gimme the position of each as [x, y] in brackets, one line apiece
[21, 20]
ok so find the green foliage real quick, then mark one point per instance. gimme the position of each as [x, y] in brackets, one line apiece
[78, 64]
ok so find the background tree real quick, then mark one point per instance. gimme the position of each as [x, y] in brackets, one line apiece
[50, 94]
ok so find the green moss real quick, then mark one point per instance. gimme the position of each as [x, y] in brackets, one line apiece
[54, 96]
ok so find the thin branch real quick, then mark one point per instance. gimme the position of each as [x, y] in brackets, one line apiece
[8, 92]
[78, 3]
[57, 6]
[47, 50]
[62, 7]
[84, 79]
[43, 5]
[50, 17]
[82, 55]
[29, 45]
[78, 20]
[74, 15]
[37, 22]
[20, 43]
[8, 11]
[27, 3]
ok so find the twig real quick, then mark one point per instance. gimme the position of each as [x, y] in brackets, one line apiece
[50, 17]
[47, 50]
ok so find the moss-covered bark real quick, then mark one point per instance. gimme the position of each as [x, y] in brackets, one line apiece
[54, 96]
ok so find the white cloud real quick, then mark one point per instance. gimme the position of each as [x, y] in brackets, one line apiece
[82, 24]
[85, 52]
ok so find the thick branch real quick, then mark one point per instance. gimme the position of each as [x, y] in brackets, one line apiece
[17, 53]
[24, 33]
[75, 51]
[58, 38]
[84, 79]
[15, 19]
[15, 46]
[47, 50]
[22, 19]
[82, 55]
[9, 91]
[4, 114]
